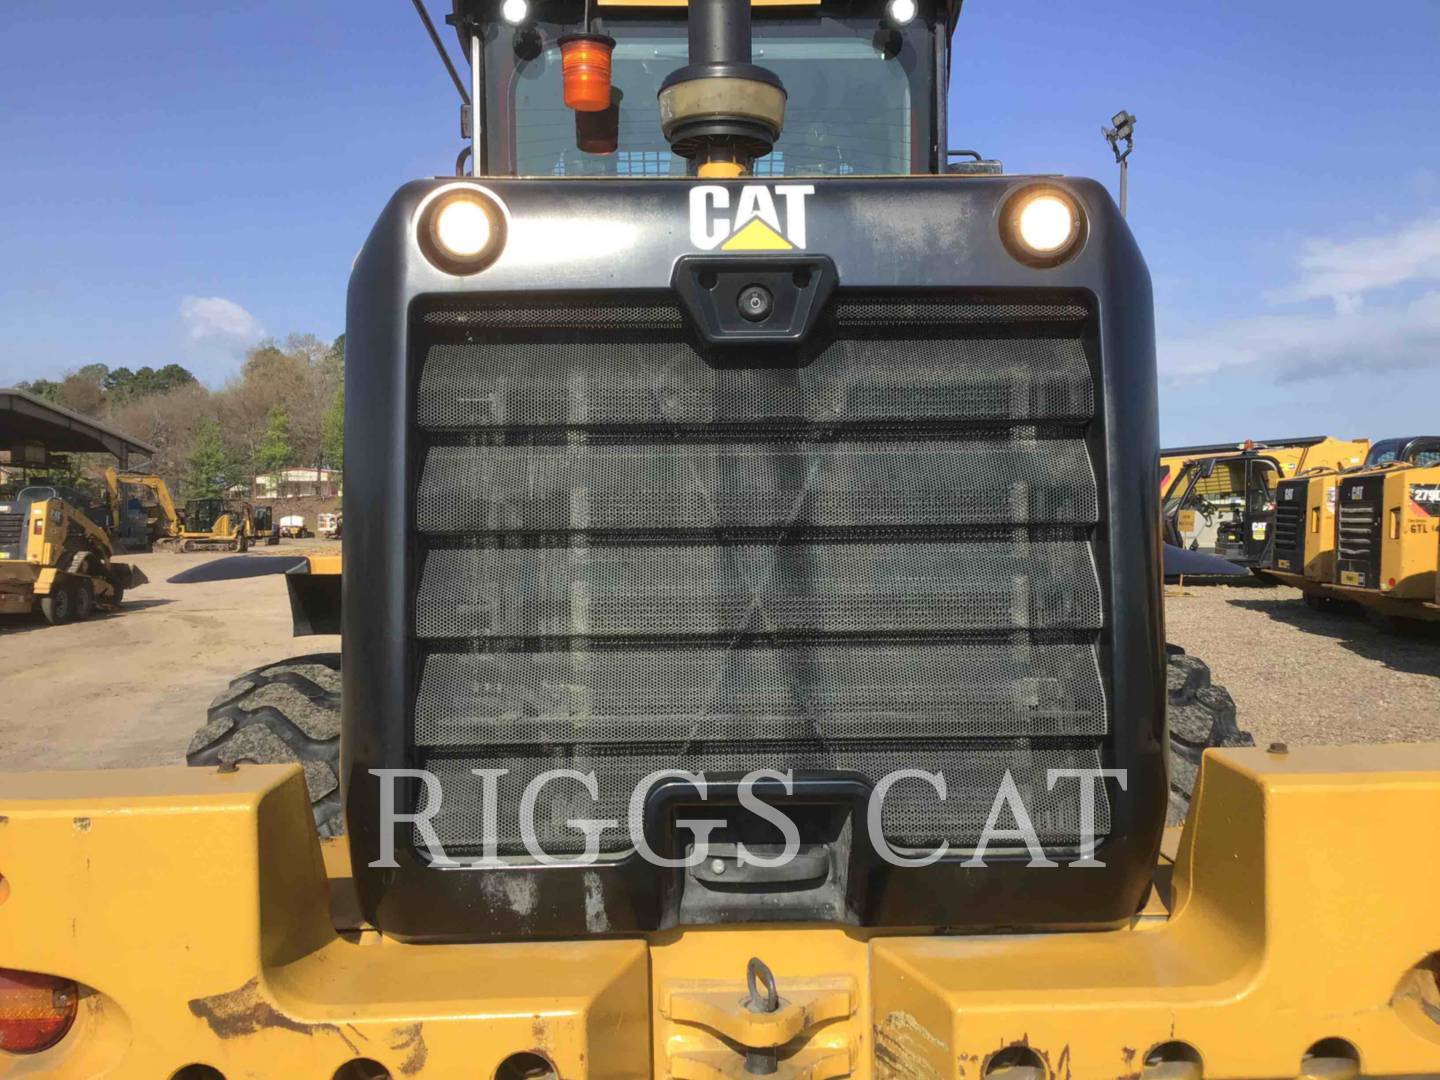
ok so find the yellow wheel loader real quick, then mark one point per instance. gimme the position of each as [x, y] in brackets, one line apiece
[54, 558]
[753, 656]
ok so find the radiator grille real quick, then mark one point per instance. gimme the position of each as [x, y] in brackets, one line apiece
[1291, 498]
[12, 529]
[628, 559]
[681, 486]
[1357, 531]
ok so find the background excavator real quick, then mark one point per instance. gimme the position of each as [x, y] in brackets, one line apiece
[138, 523]
[206, 524]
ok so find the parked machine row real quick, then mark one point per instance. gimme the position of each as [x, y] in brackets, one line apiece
[1368, 537]
[205, 524]
[1222, 497]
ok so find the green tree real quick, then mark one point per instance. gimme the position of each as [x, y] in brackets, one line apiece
[208, 468]
[48, 389]
[274, 453]
[117, 382]
[122, 384]
[169, 377]
[333, 431]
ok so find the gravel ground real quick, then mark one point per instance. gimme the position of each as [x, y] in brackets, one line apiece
[129, 688]
[1301, 677]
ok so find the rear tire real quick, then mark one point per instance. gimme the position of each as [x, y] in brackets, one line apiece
[59, 607]
[1199, 715]
[282, 712]
[84, 599]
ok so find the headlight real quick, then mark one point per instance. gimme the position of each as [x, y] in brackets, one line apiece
[1042, 226]
[462, 231]
[515, 12]
[901, 12]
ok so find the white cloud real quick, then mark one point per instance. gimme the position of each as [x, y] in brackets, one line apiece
[1378, 337]
[1398, 329]
[213, 318]
[1345, 271]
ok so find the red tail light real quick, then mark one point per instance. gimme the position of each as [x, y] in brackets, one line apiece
[39, 525]
[35, 1010]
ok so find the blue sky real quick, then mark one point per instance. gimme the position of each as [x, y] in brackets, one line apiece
[177, 179]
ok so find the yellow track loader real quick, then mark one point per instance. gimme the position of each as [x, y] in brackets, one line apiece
[753, 655]
[1387, 525]
[55, 558]
[1365, 537]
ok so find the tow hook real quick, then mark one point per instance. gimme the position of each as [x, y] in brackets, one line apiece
[761, 1060]
[755, 1029]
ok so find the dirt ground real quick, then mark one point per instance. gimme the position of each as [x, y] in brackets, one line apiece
[130, 688]
[1301, 677]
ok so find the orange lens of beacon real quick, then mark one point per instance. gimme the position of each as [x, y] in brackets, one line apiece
[585, 71]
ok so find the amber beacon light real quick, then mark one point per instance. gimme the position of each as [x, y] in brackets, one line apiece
[585, 71]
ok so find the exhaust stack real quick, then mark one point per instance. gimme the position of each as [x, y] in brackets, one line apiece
[720, 111]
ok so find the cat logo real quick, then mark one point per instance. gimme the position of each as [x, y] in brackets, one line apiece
[749, 219]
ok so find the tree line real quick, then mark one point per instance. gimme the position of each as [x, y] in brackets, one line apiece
[284, 409]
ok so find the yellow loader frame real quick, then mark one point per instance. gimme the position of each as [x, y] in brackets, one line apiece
[1295, 920]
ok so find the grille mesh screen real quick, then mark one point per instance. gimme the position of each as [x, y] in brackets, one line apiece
[972, 689]
[554, 382]
[680, 486]
[1290, 510]
[629, 559]
[662, 590]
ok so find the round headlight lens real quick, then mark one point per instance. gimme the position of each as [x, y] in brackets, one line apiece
[462, 231]
[1042, 227]
[1047, 222]
[901, 12]
[515, 12]
[462, 228]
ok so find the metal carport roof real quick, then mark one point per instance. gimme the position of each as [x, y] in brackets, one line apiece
[25, 418]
